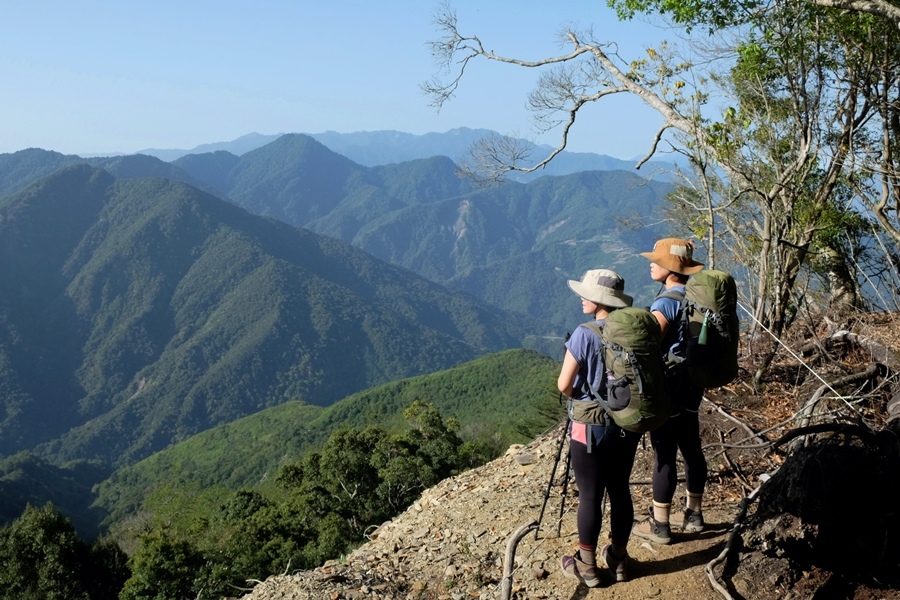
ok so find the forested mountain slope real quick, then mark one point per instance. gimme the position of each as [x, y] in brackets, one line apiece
[501, 398]
[421, 215]
[138, 312]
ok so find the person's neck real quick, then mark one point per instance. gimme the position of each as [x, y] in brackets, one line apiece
[673, 282]
[601, 313]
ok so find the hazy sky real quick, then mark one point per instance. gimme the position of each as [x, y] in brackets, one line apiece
[92, 76]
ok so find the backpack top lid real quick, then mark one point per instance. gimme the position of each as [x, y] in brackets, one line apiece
[713, 289]
[634, 329]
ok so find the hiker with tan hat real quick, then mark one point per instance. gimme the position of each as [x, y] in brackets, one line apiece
[602, 454]
[671, 264]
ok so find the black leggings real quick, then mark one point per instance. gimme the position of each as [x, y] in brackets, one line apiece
[606, 468]
[681, 432]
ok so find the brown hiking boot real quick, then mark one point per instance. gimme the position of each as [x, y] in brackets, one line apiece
[617, 567]
[693, 521]
[653, 530]
[575, 568]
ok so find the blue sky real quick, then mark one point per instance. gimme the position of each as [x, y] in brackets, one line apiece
[92, 77]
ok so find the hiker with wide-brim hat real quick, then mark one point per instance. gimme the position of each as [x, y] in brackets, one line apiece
[671, 263]
[603, 456]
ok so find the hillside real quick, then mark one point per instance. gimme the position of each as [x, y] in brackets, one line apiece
[481, 394]
[138, 312]
[512, 245]
[775, 510]
[452, 543]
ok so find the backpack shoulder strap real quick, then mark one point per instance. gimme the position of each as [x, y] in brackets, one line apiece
[595, 327]
[673, 294]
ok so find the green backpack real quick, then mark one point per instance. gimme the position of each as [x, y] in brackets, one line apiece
[635, 395]
[709, 329]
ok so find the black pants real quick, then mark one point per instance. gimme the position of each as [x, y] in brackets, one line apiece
[680, 433]
[606, 468]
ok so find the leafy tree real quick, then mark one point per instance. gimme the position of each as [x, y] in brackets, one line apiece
[43, 558]
[320, 509]
[164, 568]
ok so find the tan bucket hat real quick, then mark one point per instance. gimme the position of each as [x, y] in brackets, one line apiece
[674, 255]
[603, 287]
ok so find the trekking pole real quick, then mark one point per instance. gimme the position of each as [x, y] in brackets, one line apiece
[562, 496]
[562, 441]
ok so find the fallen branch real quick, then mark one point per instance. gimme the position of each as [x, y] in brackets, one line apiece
[859, 431]
[804, 415]
[743, 424]
[730, 544]
[879, 352]
[734, 468]
[510, 559]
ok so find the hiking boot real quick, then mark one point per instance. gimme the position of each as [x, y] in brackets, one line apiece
[617, 568]
[575, 568]
[653, 530]
[693, 521]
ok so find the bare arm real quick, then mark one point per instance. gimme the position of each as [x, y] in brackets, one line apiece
[663, 322]
[567, 374]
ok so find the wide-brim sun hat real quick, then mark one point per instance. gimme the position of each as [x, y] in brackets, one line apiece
[602, 286]
[676, 255]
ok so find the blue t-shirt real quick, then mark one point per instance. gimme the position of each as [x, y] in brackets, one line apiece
[670, 308]
[585, 346]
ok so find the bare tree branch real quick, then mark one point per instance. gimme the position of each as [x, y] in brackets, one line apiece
[879, 8]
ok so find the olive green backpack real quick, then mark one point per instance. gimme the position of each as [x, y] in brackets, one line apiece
[709, 329]
[635, 395]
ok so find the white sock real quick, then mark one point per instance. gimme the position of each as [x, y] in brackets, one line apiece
[661, 511]
[694, 501]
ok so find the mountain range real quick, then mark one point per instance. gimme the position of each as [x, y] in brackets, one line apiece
[143, 301]
[374, 148]
[512, 245]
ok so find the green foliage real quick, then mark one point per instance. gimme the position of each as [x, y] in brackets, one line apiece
[321, 508]
[44, 559]
[690, 13]
[164, 568]
[27, 479]
[499, 399]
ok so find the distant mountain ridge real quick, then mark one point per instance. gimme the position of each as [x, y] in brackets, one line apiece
[521, 237]
[374, 148]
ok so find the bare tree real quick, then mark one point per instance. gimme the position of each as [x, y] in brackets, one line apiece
[784, 153]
